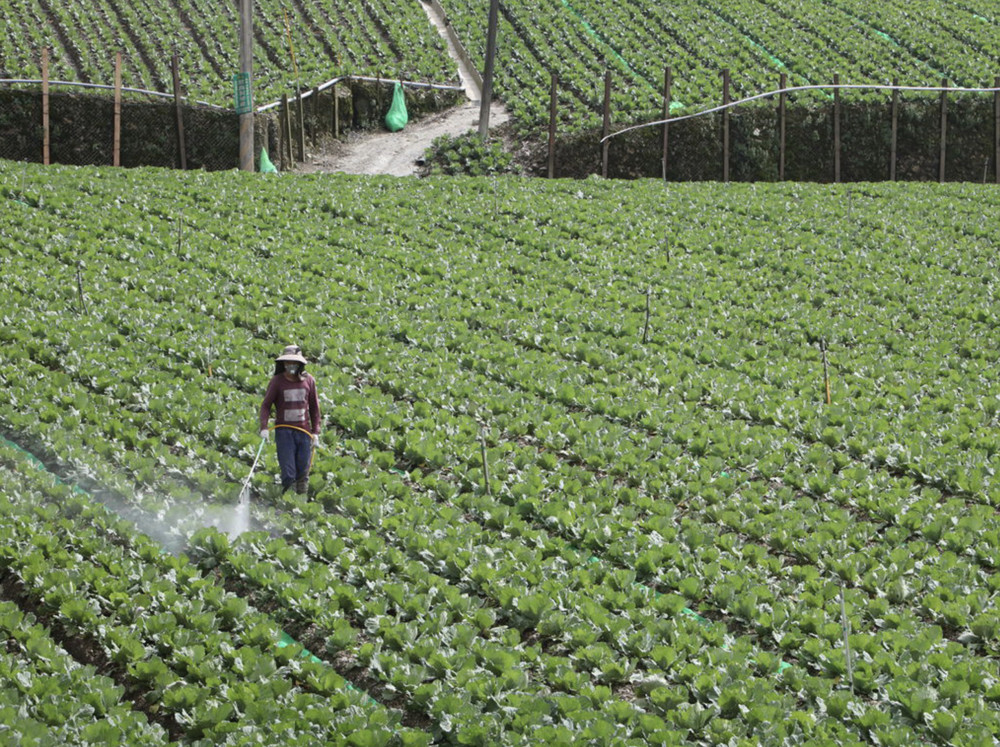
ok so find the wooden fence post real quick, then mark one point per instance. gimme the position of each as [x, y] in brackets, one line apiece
[286, 134]
[944, 130]
[486, 461]
[46, 130]
[179, 113]
[894, 141]
[607, 123]
[280, 163]
[282, 141]
[314, 124]
[836, 128]
[725, 125]
[116, 152]
[300, 131]
[336, 113]
[552, 126]
[667, 83]
[782, 97]
[79, 286]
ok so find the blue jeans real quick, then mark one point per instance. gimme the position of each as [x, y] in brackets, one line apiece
[294, 451]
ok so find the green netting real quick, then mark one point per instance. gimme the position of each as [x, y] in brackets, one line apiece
[397, 117]
[287, 640]
[266, 167]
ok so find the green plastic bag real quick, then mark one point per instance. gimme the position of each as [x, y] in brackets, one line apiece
[266, 167]
[397, 117]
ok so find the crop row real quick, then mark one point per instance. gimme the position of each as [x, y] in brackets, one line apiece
[298, 612]
[414, 448]
[196, 657]
[791, 357]
[49, 695]
[917, 42]
[361, 36]
[660, 460]
[556, 393]
[400, 674]
[714, 354]
[810, 40]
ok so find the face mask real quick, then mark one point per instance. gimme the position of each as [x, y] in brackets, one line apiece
[292, 368]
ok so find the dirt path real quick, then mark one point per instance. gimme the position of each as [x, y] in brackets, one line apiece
[397, 153]
[401, 153]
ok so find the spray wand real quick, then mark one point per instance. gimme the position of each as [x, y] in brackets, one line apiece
[245, 490]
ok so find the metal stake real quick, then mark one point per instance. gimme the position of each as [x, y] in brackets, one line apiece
[645, 329]
[79, 287]
[847, 643]
[486, 464]
[826, 372]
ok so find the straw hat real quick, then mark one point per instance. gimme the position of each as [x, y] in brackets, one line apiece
[291, 353]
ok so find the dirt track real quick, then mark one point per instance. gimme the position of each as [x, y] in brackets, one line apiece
[399, 153]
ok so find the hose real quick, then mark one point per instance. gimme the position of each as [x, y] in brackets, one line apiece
[312, 451]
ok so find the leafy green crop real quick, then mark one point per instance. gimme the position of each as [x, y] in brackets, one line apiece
[196, 676]
[917, 42]
[670, 527]
[468, 155]
[363, 37]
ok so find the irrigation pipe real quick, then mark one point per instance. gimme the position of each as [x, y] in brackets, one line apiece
[259, 109]
[109, 88]
[794, 89]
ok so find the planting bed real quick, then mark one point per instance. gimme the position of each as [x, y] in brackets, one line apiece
[679, 520]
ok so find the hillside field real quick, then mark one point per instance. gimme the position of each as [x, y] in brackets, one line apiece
[582, 478]
[919, 42]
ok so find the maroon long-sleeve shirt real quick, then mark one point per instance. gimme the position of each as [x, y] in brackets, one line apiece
[295, 402]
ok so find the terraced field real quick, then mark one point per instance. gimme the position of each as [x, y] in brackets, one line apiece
[919, 42]
[809, 40]
[583, 479]
[370, 37]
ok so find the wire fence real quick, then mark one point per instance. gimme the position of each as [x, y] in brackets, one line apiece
[84, 125]
[942, 133]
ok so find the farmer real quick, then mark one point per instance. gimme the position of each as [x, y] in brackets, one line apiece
[296, 430]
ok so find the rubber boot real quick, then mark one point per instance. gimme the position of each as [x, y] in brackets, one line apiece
[302, 485]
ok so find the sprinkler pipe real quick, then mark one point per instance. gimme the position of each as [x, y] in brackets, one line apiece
[794, 89]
